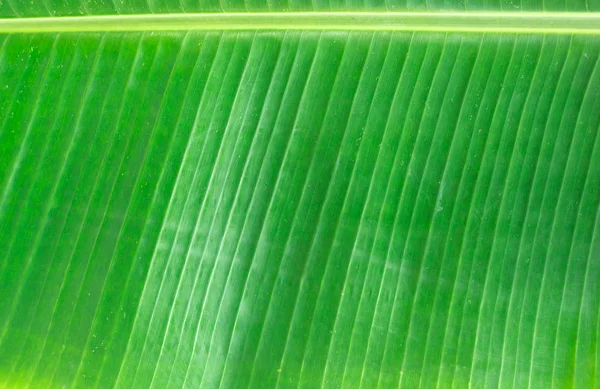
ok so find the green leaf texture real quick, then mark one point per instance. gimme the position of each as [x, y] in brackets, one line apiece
[300, 209]
[29, 8]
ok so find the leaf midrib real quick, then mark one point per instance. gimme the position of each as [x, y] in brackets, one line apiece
[482, 22]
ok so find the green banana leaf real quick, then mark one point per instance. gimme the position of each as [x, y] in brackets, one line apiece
[299, 200]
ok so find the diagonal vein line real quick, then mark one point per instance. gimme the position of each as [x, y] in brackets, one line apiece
[483, 22]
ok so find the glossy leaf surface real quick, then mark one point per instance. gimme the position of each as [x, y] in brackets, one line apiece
[29, 8]
[298, 209]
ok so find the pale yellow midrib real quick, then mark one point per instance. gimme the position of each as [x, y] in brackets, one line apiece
[490, 22]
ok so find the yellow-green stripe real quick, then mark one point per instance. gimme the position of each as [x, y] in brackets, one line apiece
[492, 22]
